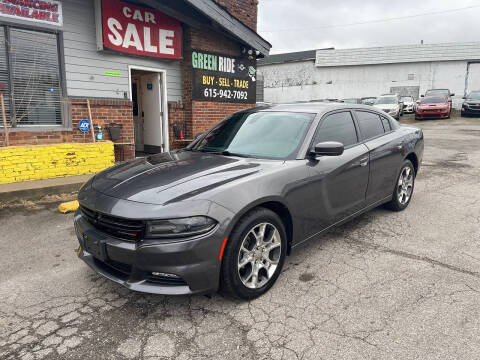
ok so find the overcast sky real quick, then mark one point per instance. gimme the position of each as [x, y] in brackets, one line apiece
[295, 25]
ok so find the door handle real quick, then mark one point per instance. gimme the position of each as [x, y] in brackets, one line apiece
[399, 146]
[364, 161]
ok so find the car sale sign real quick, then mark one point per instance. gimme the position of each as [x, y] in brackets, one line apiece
[46, 12]
[140, 31]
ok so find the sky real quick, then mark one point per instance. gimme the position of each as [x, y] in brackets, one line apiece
[295, 25]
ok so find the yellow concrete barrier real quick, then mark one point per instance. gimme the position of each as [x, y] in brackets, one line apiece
[35, 162]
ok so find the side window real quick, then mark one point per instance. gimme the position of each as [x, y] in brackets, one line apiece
[386, 124]
[337, 127]
[370, 124]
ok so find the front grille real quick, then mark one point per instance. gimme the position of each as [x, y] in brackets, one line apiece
[167, 281]
[123, 268]
[127, 229]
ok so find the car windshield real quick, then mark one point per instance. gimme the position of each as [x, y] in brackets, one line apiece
[433, 100]
[407, 99]
[438, 91]
[386, 100]
[264, 135]
[474, 96]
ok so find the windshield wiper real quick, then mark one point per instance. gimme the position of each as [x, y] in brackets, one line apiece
[224, 152]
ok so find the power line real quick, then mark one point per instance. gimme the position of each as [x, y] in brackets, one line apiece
[374, 21]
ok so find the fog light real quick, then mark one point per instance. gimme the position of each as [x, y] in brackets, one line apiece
[165, 275]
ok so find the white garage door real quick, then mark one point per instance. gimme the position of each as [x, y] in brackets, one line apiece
[473, 82]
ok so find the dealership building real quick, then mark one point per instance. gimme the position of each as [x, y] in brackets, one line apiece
[159, 71]
[370, 72]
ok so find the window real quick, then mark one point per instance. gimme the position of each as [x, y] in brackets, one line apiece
[386, 124]
[370, 124]
[265, 135]
[33, 91]
[337, 127]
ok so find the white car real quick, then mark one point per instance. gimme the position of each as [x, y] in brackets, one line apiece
[408, 104]
[390, 104]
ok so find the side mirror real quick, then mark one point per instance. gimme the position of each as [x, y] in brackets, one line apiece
[452, 95]
[328, 148]
[422, 95]
[463, 97]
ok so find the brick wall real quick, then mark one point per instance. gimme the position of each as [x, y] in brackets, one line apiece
[104, 113]
[243, 10]
[35, 162]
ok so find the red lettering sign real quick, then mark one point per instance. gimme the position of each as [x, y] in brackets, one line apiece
[47, 12]
[140, 31]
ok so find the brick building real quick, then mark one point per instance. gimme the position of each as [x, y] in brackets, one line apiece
[162, 70]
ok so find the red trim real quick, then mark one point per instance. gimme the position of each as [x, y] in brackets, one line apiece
[220, 256]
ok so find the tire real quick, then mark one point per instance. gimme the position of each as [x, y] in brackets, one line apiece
[234, 278]
[401, 203]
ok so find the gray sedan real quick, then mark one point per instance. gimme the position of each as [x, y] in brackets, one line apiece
[224, 213]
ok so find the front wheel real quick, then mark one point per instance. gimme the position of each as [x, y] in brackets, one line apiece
[254, 255]
[402, 194]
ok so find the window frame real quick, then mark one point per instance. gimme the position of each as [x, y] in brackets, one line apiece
[66, 119]
[322, 120]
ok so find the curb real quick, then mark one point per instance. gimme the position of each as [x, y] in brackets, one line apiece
[34, 194]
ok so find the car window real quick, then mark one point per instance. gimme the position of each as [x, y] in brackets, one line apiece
[370, 124]
[264, 135]
[386, 124]
[337, 127]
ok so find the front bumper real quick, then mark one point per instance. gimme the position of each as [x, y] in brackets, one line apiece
[471, 110]
[409, 109]
[432, 114]
[136, 264]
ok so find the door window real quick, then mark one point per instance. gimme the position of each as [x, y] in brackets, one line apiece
[370, 124]
[337, 127]
[386, 124]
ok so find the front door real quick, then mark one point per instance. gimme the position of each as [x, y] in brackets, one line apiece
[339, 183]
[151, 99]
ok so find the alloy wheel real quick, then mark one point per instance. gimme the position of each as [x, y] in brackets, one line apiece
[259, 255]
[405, 185]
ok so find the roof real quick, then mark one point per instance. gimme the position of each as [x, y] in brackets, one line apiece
[399, 54]
[191, 11]
[288, 57]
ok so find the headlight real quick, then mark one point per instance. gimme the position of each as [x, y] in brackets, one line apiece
[176, 228]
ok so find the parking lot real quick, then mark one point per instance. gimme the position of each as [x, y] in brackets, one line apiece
[384, 286]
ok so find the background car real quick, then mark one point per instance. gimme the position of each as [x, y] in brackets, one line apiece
[226, 211]
[352, 101]
[471, 105]
[408, 104]
[390, 104]
[369, 100]
[445, 92]
[433, 107]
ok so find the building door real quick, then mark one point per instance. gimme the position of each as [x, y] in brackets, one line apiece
[137, 116]
[152, 112]
[148, 101]
[473, 78]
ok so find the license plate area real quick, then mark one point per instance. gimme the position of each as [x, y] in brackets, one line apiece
[95, 245]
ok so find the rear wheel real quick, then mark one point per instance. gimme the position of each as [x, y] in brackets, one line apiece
[402, 194]
[254, 255]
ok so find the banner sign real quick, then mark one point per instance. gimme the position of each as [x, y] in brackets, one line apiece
[140, 31]
[223, 78]
[46, 11]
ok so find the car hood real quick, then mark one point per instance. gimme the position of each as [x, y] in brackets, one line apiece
[472, 102]
[175, 176]
[386, 106]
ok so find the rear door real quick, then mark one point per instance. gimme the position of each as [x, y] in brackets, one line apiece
[338, 183]
[385, 153]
